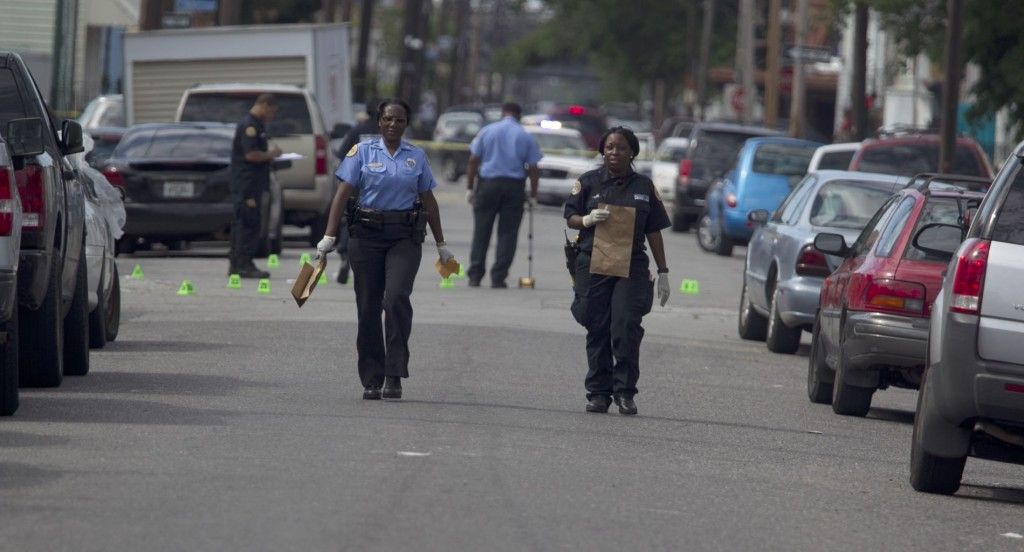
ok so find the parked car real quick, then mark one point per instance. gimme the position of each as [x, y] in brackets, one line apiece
[308, 184]
[783, 272]
[104, 140]
[644, 161]
[665, 169]
[10, 243]
[765, 172]
[908, 155]
[566, 158]
[674, 127]
[833, 157]
[103, 112]
[712, 153]
[871, 331]
[971, 401]
[455, 129]
[53, 336]
[176, 179]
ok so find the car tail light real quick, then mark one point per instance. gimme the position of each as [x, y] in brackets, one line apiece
[321, 155]
[6, 203]
[577, 110]
[969, 277]
[811, 262]
[114, 176]
[685, 168]
[730, 200]
[899, 296]
[33, 197]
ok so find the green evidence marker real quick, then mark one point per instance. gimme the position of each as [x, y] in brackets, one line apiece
[273, 261]
[186, 288]
[305, 258]
[447, 283]
[690, 287]
[137, 273]
[234, 281]
[264, 287]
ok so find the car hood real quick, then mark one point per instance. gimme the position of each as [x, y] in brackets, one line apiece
[567, 162]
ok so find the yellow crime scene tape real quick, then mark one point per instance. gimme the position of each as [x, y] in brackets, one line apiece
[431, 145]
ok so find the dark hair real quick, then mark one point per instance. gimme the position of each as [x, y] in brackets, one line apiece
[267, 99]
[512, 108]
[394, 101]
[627, 133]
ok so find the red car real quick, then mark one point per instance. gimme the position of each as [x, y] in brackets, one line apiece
[871, 329]
[916, 154]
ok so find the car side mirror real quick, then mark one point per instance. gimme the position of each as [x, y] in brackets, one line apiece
[939, 239]
[25, 137]
[71, 137]
[832, 244]
[758, 216]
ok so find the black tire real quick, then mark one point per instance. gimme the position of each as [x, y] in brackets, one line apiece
[705, 234]
[113, 311]
[930, 473]
[9, 367]
[98, 323]
[76, 325]
[750, 324]
[820, 378]
[780, 337]
[41, 343]
[848, 400]
[681, 222]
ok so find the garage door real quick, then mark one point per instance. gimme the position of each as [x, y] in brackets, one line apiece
[158, 85]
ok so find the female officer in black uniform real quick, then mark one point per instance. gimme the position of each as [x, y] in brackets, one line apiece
[394, 184]
[610, 307]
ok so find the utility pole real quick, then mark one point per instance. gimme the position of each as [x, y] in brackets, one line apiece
[771, 76]
[797, 100]
[746, 55]
[494, 42]
[62, 91]
[474, 55]
[707, 26]
[951, 84]
[858, 105]
[229, 13]
[412, 45]
[365, 28]
[150, 15]
[459, 48]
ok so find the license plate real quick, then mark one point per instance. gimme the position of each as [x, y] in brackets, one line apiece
[179, 190]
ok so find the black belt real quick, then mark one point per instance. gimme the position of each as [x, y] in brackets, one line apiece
[385, 217]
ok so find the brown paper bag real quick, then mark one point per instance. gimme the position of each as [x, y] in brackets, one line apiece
[446, 270]
[306, 281]
[613, 242]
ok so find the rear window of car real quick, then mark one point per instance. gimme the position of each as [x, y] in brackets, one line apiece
[835, 160]
[674, 154]
[715, 152]
[229, 107]
[846, 204]
[942, 210]
[897, 222]
[781, 159]
[1009, 224]
[174, 143]
[912, 159]
[559, 142]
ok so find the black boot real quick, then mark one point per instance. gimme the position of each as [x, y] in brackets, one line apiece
[343, 270]
[371, 393]
[626, 405]
[392, 387]
[599, 404]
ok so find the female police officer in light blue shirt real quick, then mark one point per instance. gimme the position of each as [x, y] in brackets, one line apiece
[393, 182]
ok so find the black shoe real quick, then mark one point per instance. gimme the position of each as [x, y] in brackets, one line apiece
[599, 404]
[371, 394]
[392, 387]
[253, 273]
[626, 405]
[499, 285]
[474, 283]
[343, 271]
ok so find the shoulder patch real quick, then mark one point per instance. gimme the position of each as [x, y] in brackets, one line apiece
[352, 152]
[250, 131]
[576, 187]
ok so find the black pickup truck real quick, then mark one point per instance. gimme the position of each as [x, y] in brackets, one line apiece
[52, 291]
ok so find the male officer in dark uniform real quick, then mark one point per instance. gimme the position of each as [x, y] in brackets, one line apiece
[250, 178]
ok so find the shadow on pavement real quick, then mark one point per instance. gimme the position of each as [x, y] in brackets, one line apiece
[20, 439]
[158, 346]
[891, 415]
[984, 493]
[61, 409]
[14, 475]
[154, 383]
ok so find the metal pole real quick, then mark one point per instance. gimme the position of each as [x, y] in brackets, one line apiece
[796, 105]
[62, 91]
[951, 84]
[747, 31]
[860, 69]
[771, 75]
[705, 55]
[365, 28]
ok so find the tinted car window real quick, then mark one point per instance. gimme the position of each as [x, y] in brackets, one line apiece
[1009, 223]
[892, 232]
[782, 159]
[836, 160]
[174, 143]
[787, 212]
[229, 107]
[11, 105]
[674, 154]
[912, 159]
[872, 229]
[715, 152]
[938, 210]
[846, 204]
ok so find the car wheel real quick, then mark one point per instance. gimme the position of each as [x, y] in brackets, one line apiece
[707, 233]
[9, 367]
[819, 376]
[450, 170]
[751, 324]
[781, 338]
[41, 355]
[98, 324]
[113, 310]
[725, 243]
[848, 400]
[76, 325]
[930, 473]
[680, 223]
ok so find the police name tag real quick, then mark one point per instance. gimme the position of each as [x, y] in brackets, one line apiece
[641, 197]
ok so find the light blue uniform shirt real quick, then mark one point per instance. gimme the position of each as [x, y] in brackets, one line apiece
[384, 182]
[505, 149]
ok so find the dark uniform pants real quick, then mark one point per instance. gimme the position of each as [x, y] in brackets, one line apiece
[500, 198]
[245, 234]
[611, 309]
[384, 267]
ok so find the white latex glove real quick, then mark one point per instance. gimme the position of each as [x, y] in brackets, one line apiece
[444, 254]
[324, 247]
[595, 216]
[470, 196]
[664, 289]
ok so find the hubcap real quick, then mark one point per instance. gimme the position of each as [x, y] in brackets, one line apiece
[706, 233]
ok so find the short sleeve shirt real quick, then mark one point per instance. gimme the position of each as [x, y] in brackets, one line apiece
[633, 190]
[505, 149]
[249, 180]
[385, 182]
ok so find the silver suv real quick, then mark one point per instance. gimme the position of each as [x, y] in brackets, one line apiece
[972, 396]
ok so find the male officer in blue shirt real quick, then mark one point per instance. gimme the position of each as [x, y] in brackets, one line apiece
[503, 154]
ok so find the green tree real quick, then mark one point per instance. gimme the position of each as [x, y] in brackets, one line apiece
[993, 41]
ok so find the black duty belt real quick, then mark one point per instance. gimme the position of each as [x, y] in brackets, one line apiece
[385, 217]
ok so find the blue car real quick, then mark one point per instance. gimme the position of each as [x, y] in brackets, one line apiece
[766, 170]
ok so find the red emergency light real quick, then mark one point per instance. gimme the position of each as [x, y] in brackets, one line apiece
[577, 110]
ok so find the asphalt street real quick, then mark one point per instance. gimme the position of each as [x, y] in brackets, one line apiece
[230, 420]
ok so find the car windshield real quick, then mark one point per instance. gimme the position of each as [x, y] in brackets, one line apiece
[782, 159]
[174, 143]
[942, 210]
[715, 152]
[835, 160]
[229, 107]
[560, 142]
[673, 153]
[847, 203]
[912, 159]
